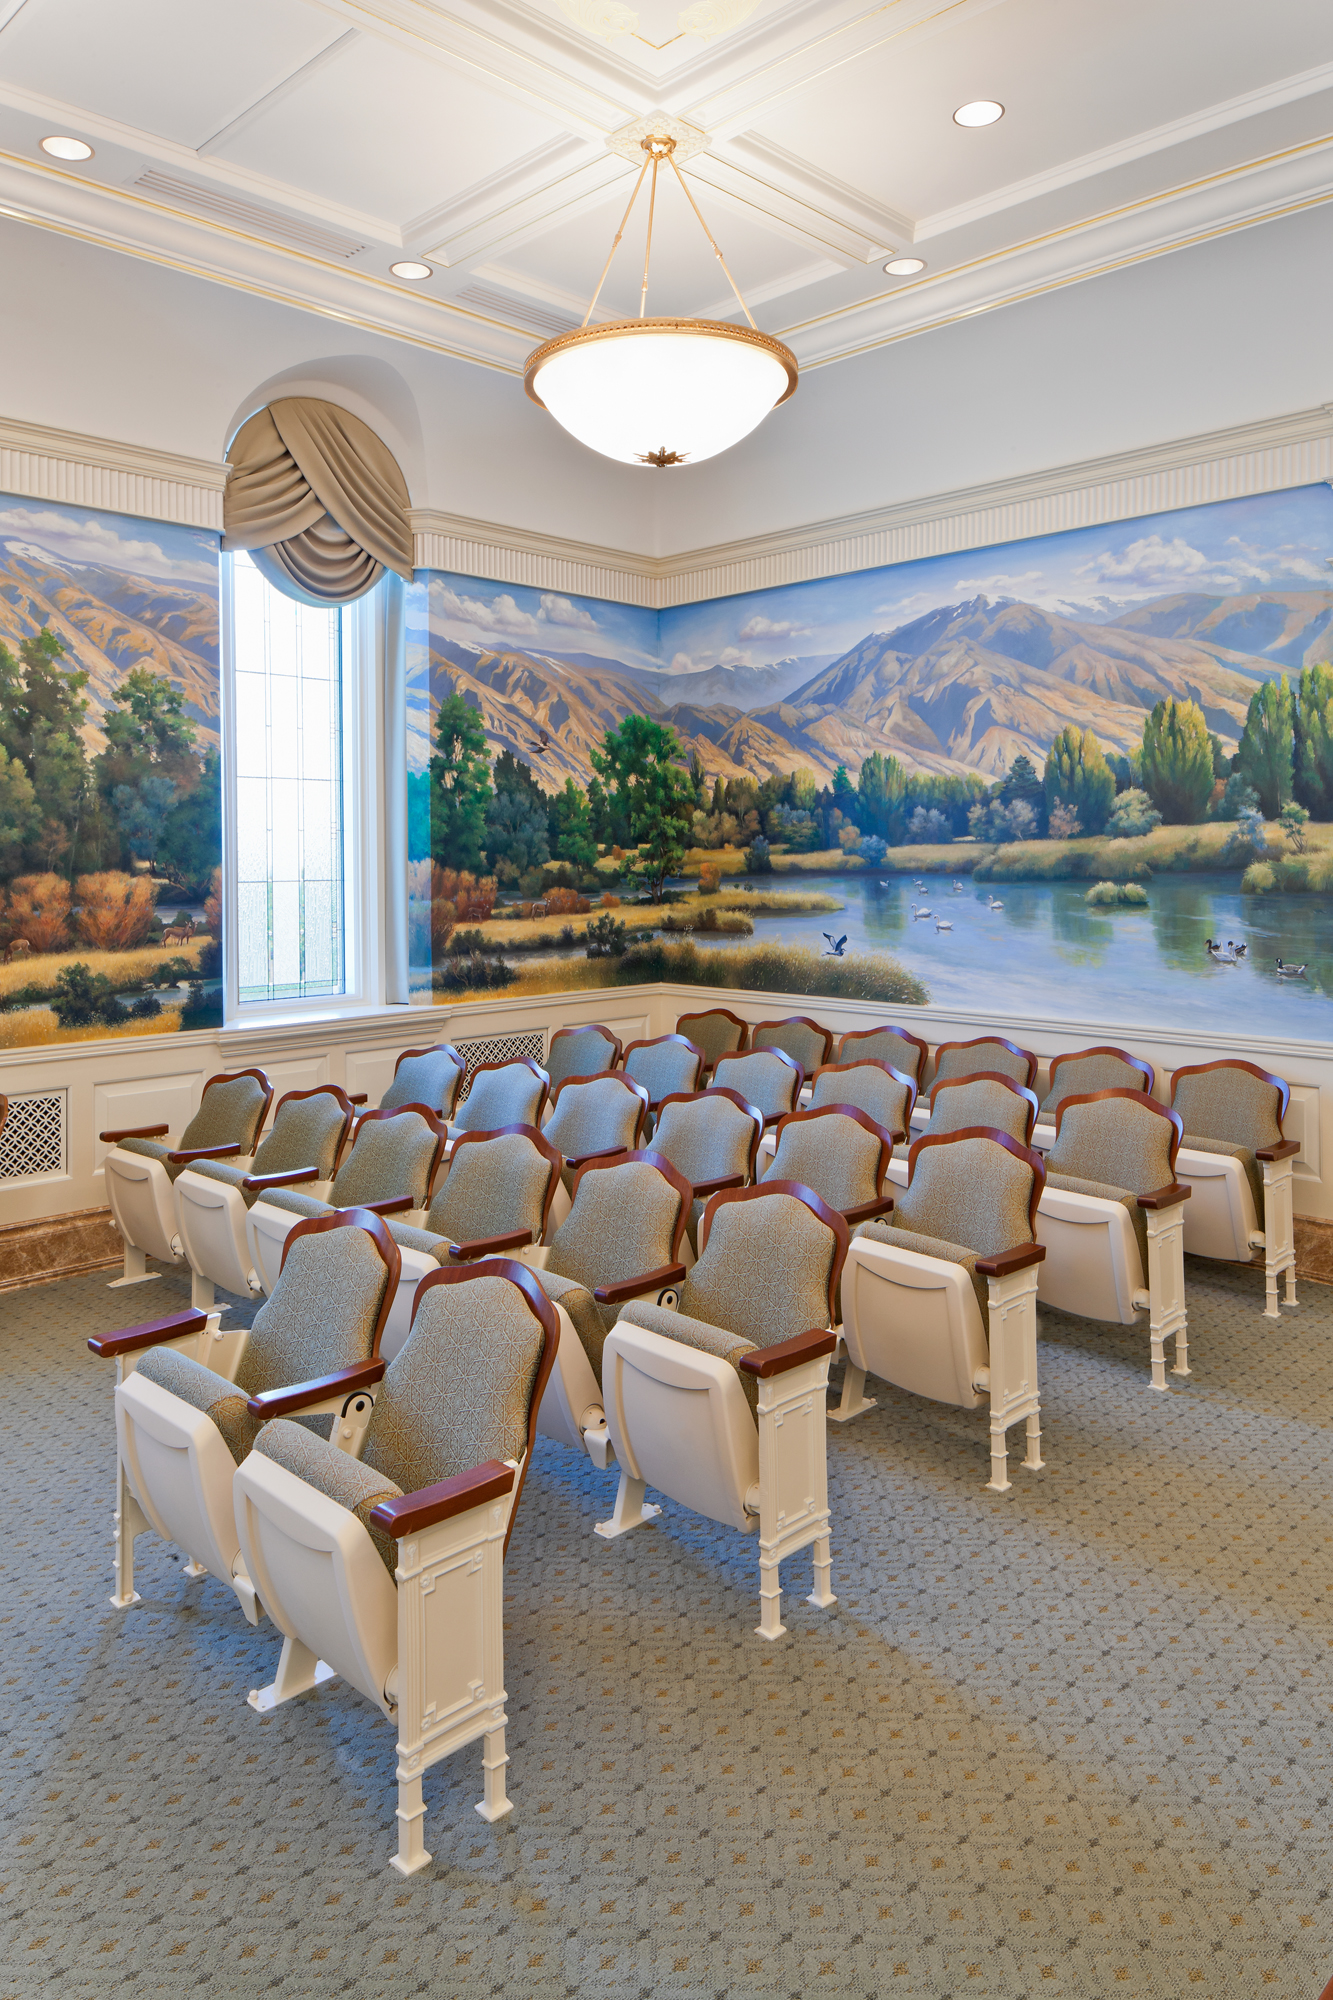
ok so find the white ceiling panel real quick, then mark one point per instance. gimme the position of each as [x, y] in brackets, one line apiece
[387, 130]
[179, 68]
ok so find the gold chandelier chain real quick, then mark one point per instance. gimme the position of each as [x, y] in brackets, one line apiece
[658, 150]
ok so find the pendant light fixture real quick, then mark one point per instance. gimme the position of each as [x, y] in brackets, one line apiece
[660, 391]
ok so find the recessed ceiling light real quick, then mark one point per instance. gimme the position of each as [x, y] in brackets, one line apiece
[62, 148]
[411, 270]
[984, 112]
[905, 267]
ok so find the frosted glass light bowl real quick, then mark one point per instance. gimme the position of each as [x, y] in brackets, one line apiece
[661, 391]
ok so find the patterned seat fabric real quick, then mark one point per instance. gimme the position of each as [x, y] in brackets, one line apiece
[807, 1046]
[835, 1157]
[1115, 1148]
[431, 1079]
[761, 1079]
[391, 1156]
[1229, 1111]
[507, 1096]
[490, 1189]
[585, 1053]
[598, 1116]
[305, 1134]
[982, 1055]
[866, 1088]
[706, 1139]
[585, 1315]
[970, 1191]
[228, 1113]
[455, 1395]
[764, 1271]
[621, 1225]
[883, 1046]
[1079, 1076]
[978, 1102]
[933, 1246]
[321, 1316]
[716, 1034]
[662, 1069]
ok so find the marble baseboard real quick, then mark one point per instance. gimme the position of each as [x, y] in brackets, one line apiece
[1314, 1250]
[58, 1246]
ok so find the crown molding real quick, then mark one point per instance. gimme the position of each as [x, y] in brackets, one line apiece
[1296, 449]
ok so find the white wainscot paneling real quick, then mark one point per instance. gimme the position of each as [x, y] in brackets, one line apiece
[372, 1070]
[298, 1074]
[1302, 1124]
[145, 1100]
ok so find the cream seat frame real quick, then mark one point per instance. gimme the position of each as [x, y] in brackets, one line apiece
[1221, 1221]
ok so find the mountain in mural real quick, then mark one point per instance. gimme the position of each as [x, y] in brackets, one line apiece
[111, 621]
[966, 687]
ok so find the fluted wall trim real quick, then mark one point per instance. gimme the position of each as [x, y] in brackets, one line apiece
[45, 464]
[1293, 450]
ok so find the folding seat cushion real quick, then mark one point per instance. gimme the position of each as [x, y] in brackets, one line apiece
[1111, 1218]
[308, 1130]
[387, 1568]
[720, 1404]
[590, 1116]
[583, 1051]
[393, 1156]
[902, 1050]
[987, 1053]
[510, 1093]
[426, 1076]
[770, 1079]
[185, 1419]
[1239, 1167]
[885, 1094]
[1084, 1071]
[799, 1037]
[717, 1031]
[839, 1152]
[668, 1065]
[231, 1113]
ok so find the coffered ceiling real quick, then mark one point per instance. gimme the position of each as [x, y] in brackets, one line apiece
[298, 148]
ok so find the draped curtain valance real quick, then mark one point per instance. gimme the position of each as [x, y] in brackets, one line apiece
[318, 500]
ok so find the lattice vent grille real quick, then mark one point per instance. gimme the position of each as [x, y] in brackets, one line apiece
[498, 1048]
[33, 1142]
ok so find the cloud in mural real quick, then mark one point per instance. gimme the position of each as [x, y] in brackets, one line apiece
[502, 614]
[561, 611]
[773, 628]
[74, 537]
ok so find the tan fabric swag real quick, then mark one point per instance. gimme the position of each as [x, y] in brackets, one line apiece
[318, 499]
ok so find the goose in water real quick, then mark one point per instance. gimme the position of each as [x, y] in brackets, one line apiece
[958, 889]
[1221, 954]
[1289, 971]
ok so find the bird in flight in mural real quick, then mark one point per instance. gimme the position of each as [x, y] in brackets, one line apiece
[1289, 971]
[837, 946]
[542, 745]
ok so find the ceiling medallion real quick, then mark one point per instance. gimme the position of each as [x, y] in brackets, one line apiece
[697, 385]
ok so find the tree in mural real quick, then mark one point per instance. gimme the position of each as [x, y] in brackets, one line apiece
[1313, 747]
[640, 765]
[1079, 779]
[517, 838]
[1267, 743]
[42, 709]
[460, 786]
[1177, 761]
[570, 826]
[881, 796]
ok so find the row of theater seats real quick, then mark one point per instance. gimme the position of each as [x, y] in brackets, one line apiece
[670, 1309]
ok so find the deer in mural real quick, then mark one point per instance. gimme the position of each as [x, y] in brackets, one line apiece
[17, 948]
[180, 932]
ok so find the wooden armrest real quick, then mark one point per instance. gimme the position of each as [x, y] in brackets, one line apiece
[1165, 1197]
[1005, 1261]
[358, 1096]
[490, 1246]
[149, 1333]
[414, 1511]
[702, 1189]
[1285, 1149]
[281, 1402]
[394, 1207]
[204, 1153]
[607, 1153]
[787, 1354]
[868, 1210]
[134, 1132]
[629, 1288]
[256, 1183]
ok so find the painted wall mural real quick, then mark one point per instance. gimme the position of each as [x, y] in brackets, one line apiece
[1084, 776]
[110, 779]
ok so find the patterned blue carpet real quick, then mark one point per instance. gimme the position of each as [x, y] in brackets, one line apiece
[1070, 1741]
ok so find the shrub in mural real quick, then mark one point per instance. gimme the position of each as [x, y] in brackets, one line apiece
[110, 780]
[1040, 777]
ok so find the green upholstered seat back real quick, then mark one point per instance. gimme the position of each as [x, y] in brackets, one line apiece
[584, 1053]
[431, 1079]
[1079, 1076]
[978, 1101]
[968, 1191]
[804, 1045]
[662, 1068]
[1117, 1141]
[762, 1080]
[491, 1188]
[884, 1046]
[1230, 1104]
[305, 1134]
[966, 1061]
[621, 1225]
[593, 1117]
[713, 1032]
[228, 1112]
[833, 1156]
[320, 1314]
[706, 1138]
[865, 1086]
[507, 1096]
[764, 1271]
[390, 1157]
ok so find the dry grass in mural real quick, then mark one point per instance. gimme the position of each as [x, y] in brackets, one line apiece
[125, 969]
[33, 1027]
[758, 968]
